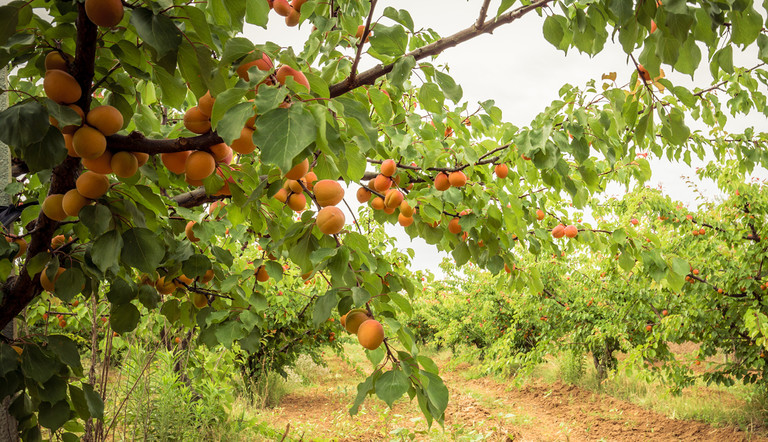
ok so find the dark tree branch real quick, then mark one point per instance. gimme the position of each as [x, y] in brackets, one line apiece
[137, 142]
[361, 43]
[369, 76]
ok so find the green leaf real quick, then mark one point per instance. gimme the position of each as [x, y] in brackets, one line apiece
[437, 393]
[106, 250]
[142, 249]
[46, 153]
[173, 88]
[196, 266]
[401, 71]
[399, 15]
[69, 284]
[158, 31]
[124, 318]
[96, 218]
[452, 90]
[78, 402]
[360, 296]
[38, 365]
[121, 292]
[282, 134]
[679, 266]
[95, 404]
[66, 349]
[231, 125]
[323, 307]
[389, 40]
[746, 26]
[64, 115]
[257, 13]
[391, 386]
[363, 390]
[461, 253]
[224, 102]
[53, 416]
[554, 31]
[23, 124]
[431, 97]
[9, 18]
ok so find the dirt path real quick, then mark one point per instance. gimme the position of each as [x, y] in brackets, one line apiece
[481, 409]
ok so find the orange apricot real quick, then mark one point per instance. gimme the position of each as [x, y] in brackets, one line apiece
[205, 104]
[176, 162]
[196, 121]
[294, 186]
[359, 33]
[406, 209]
[220, 151]
[263, 64]
[261, 274]
[105, 13]
[501, 170]
[540, 214]
[52, 207]
[363, 195]
[68, 144]
[393, 198]
[441, 181]
[404, 221]
[55, 60]
[558, 231]
[282, 7]
[199, 300]
[200, 165]
[388, 168]
[293, 18]
[107, 119]
[298, 171]
[61, 87]
[328, 192]
[354, 319]
[165, 288]
[571, 231]
[454, 226]
[378, 203]
[296, 4]
[644, 74]
[89, 143]
[73, 202]
[102, 164]
[190, 234]
[208, 277]
[286, 71]
[124, 164]
[330, 220]
[22, 245]
[297, 202]
[309, 180]
[282, 195]
[244, 145]
[92, 185]
[141, 157]
[46, 282]
[457, 179]
[370, 334]
[382, 183]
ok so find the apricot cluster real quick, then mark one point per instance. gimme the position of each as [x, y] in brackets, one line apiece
[291, 11]
[393, 198]
[370, 332]
[296, 179]
[444, 181]
[569, 231]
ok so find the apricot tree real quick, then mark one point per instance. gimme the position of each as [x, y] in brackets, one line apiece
[170, 109]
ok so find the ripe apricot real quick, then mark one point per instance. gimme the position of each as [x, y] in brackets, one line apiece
[190, 234]
[200, 165]
[644, 74]
[105, 13]
[501, 170]
[183, 279]
[208, 277]
[294, 186]
[393, 198]
[52, 207]
[141, 157]
[286, 71]
[370, 334]
[388, 168]
[176, 162]
[216, 206]
[441, 181]
[107, 119]
[61, 87]
[571, 231]
[389, 210]
[309, 180]
[92, 185]
[558, 231]
[101, 164]
[263, 64]
[46, 282]
[328, 192]
[244, 145]
[457, 179]
[22, 245]
[354, 319]
[282, 7]
[220, 151]
[454, 226]
[68, 144]
[298, 171]
[406, 209]
[89, 143]
[378, 203]
[404, 221]
[165, 288]
[330, 220]
[55, 60]
[200, 300]
[73, 202]
[124, 164]
[58, 241]
[205, 104]
[261, 274]
[359, 33]
[297, 202]
[293, 18]
[282, 195]
[363, 195]
[296, 4]
[540, 214]
[382, 183]
[196, 121]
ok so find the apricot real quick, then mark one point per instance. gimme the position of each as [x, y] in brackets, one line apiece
[244, 145]
[378, 203]
[190, 234]
[282, 7]
[263, 64]
[393, 198]
[457, 179]
[294, 186]
[296, 4]
[644, 74]
[571, 231]
[388, 210]
[501, 170]
[89, 143]
[558, 231]
[220, 151]
[208, 277]
[46, 282]
[61, 87]
[141, 157]
[58, 241]
[176, 162]
[52, 207]
[406, 209]
[92, 185]
[330, 220]
[104, 13]
[165, 288]
[124, 164]
[298, 171]
[282, 195]
[107, 119]
[216, 206]
[195, 121]
[101, 164]
[22, 245]
[68, 144]
[354, 319]
[328, 192]
[441, 182]
[73, 202]
[388, 168]
[205, 104]
[55, 60]
[454, 226]
[363, 195]
[200, 300]
[286, 71]
[404, 221]
[297, 202]
[382, 183]
[200, 165]
[309, 180]
[540, 214]
[370, 334]
[261, 274]
[182, 280]
[293, 19]
[359, 33]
